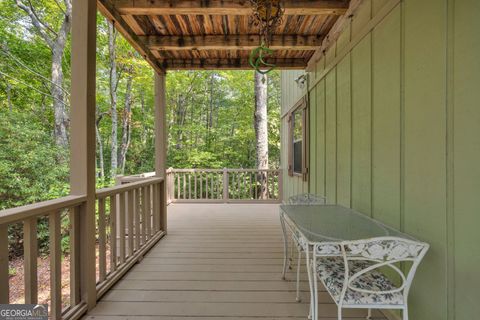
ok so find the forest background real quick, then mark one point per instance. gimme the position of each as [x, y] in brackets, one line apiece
[210, 114]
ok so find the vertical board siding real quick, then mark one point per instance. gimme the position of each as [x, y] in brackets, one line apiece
[344, 132]
[395, 133]
[361, 126]
[386, 120]
[425, 161]
[331, 137]
[320, 126]
[466, 157]
[313, 142]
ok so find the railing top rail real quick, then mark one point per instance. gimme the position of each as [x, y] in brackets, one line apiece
[106, 192]
[38, 209]
[136, 177]
[220, 170]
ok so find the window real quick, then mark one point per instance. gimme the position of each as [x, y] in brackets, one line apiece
[298, 144]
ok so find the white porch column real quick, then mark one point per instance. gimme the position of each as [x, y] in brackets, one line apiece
[161, 143]
[82, 150]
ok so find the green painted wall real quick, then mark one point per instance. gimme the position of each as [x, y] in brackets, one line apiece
[395, 134]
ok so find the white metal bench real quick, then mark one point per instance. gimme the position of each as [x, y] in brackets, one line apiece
[354, 272]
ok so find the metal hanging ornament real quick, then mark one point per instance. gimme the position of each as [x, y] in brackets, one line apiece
[267, 16]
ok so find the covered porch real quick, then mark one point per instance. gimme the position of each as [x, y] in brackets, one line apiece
[388, 96]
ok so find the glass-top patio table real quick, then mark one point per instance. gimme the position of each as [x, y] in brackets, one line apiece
[312, 224]
[319, 223]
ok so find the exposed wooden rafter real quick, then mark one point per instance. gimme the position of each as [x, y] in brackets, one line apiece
[214, 64]
[228, 42]
[107, 9]
[225, 7]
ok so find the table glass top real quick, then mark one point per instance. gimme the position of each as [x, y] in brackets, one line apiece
[336, 223]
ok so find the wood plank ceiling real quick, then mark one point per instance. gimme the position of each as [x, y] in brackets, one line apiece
[219, 34]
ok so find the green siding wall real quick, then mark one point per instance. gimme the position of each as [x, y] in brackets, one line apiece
[395, 134]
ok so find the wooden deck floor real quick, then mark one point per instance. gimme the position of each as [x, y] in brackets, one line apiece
[217, 261]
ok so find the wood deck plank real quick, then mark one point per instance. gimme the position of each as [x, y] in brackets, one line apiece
[217, 261]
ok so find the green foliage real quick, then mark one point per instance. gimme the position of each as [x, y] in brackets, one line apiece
[29, 170]
[210, 119]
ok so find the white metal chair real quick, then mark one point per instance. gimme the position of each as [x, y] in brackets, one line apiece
[302, 199]
[353, 272]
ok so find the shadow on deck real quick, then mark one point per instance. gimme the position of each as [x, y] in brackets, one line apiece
[217, 261]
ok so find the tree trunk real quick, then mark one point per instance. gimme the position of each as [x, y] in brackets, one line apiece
[8, 90]
[101, 164]
[56, 40]
[112, 35]
[59, 106]
[210, 109]
[261, 130]
[144, 118]
[126, 125]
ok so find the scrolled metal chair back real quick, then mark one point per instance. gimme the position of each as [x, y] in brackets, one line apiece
[306, 199]
[382, 252]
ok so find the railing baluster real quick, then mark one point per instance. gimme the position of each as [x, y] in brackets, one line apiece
[239, 185]
[267, 193]
[102, 246]
[195, 181]
[30, 249]
[113, 233]
[220, 184]
[130, 206]
[55, 266]
[184, 186]
[144, 215]
[256, 186]
[156, 207]
[178, 186]
[245, 190]
[189, 186]
[201, 185]
[148, 200]
[137, 211]
[225, 185]
[121, 226]
[4, 286]
[206, 186]
[75, 243]
[211, 183]
[250, 177]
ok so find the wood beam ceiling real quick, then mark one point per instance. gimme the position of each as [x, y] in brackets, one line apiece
[230, 42]
[216, 64]
[107, 9]
[225, 7]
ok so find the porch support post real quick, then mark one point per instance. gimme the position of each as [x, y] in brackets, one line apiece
[161, 143]
[82, 150]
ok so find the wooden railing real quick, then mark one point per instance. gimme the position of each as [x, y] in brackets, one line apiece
[137, 224]
[223, 185]
[54, 210]
[129, 221]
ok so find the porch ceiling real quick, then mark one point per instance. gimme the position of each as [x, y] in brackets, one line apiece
[219, 34]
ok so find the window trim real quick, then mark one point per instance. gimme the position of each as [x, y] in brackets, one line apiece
[302, 104]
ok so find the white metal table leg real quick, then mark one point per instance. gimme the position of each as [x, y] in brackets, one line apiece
[298, 273]
[312, 313]
[285, 245]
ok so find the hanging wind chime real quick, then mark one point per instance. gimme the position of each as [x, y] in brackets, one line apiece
[267, 15]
